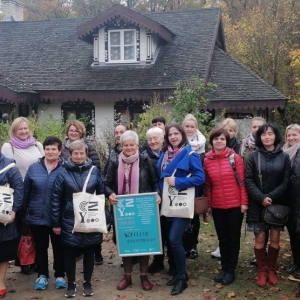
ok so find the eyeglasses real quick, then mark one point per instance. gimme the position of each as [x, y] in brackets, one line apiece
[73, 131]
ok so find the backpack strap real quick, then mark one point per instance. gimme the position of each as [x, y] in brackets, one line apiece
[233, 165]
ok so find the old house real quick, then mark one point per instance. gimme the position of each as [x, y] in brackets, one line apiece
[118, 60]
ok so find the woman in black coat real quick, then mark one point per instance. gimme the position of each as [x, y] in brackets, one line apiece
[69, 181]
[8, 232]
[131, 173]
[267, 177]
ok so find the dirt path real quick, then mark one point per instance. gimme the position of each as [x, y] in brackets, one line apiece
[105, 279]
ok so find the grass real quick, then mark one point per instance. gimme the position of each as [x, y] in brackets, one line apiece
[204, 268]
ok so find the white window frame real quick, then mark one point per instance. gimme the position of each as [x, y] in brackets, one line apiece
[122, 46]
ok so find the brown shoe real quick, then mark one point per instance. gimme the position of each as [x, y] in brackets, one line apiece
[146, 284]
[124, 283]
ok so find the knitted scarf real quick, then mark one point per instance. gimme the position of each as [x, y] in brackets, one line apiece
[20, 144]
[291, 151]
[134, 173]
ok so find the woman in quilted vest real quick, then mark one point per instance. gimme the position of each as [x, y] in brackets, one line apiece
[267, 178]
[227, 198]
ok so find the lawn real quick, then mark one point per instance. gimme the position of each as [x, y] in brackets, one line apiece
[244, 287]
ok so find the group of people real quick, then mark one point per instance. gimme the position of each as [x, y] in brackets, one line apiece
[236, 177]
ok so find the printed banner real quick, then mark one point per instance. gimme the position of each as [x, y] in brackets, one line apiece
[137, 225]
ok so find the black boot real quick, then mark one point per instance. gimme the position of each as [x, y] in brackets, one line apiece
[179, 287]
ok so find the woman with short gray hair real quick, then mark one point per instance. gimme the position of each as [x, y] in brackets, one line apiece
[131, 173]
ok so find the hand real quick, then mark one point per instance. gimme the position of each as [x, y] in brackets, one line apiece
[267, 201]
[171, 181]
[57, 230]
[244, 208]
[208, 213]
[13, 215]
[158, 199]
[112, 199]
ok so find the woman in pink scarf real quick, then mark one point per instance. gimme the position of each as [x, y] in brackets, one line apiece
[131, 173]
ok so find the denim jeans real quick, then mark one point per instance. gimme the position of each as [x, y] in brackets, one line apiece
[176, 228]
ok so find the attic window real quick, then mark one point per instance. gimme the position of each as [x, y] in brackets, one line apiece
[122, 45]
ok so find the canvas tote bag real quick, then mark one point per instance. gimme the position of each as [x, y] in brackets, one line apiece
[177, 203]
[6, 199]
[89, 210]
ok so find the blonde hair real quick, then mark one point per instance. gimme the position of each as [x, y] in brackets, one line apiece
[16, 124]
[258, 119]
[190, 117]
[295, 127]
[231, 123]
[78, 145]
[79, 125]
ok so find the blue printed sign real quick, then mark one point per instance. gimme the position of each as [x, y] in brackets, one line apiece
[137, 225]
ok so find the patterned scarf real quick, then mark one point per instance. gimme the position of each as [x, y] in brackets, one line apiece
[169, 155]
[248, 142]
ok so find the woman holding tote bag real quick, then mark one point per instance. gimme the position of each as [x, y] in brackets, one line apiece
[178, 156]
[68, 182]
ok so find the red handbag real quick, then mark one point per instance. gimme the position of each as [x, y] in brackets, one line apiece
[26, 249]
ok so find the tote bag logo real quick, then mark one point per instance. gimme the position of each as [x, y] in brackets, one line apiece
[83, 206]
[86, 207]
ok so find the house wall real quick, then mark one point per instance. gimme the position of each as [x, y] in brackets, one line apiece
[11, 8]
[104, 113]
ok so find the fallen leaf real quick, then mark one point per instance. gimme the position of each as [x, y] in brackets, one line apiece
[285, 298]
[122, 296]
[139, 295]
[219, 286]
[206, 296]
[274, 289]
[231, 295]
[207, 290]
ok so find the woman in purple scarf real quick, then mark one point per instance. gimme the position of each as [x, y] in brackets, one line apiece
[25, 150]
[131, 173]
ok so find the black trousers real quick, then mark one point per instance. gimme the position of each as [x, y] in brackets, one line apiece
[228, 223]
[190, 237]
[41, 236]
[159, 258]
[294, 240]
[70, 254]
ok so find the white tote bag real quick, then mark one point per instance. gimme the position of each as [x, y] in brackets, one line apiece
[89, 211]
[177, 203]
[6, 199]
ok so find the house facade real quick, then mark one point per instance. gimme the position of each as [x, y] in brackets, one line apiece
[120, 59]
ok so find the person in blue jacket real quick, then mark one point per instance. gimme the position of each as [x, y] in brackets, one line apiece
[177, 155]
[38, 184]
[8, 233]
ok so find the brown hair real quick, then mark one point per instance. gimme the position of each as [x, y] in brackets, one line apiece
[179, 127]
[216, 133]
[79, 125]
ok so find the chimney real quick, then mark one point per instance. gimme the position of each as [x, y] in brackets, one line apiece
[12, 10]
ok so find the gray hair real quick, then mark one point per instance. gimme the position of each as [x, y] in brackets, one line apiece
[156, 131]
[78, 145]
[258, 119]
[129, 135]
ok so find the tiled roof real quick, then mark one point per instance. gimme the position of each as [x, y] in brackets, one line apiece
[235, 82]
[49, 56]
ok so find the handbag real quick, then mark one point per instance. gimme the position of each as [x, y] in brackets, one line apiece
[274, 214]
[89, 210]
[177, 203]
[201, 205]
[6, 198]
[26, 249]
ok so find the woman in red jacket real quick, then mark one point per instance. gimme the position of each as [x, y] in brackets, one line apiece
[228, 201]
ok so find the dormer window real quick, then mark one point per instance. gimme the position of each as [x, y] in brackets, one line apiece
[122, 45]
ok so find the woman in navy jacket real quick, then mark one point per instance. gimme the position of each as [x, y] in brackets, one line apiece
[177, 156]
[38, 186]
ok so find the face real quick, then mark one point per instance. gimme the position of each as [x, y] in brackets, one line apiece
[78, 156]
[23, 132]
[160, 125]
[268, 137]
[175, 137]
[129, 148]
[255, 125]
[155, 142]
[73, 133]
[230, 131]
[292, 137]
[219, 143]
[52, 153]
[119, 130]
[190, 128]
